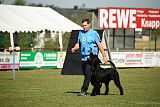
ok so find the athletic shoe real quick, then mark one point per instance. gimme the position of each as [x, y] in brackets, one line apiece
[83, 93]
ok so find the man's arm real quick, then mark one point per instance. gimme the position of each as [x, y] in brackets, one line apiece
[102, 51]
[75, 47]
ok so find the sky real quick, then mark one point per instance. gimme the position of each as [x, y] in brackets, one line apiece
[155, 4]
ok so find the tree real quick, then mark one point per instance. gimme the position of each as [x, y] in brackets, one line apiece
[66, 37]
[75, 19]
[1, 1]
[32, 4]
[88, 15]
[25, 39]
[155, 32]
[39, 5]
[20, 2]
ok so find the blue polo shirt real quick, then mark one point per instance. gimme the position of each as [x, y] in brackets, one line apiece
[88, 41]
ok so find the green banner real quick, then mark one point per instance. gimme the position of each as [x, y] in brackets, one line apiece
[38, 60]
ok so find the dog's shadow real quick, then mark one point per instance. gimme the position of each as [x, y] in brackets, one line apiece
[88, 93]
[72, 92]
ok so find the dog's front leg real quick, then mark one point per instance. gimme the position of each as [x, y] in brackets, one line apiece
[96, 89]
[93, 91]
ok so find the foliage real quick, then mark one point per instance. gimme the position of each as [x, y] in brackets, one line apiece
[6, 40]
[155, 33]
[75, 19]
[65, 41]
[1, 1]
[26, 39]
[39, 5]
[52, 43]
[19, 2]
[66, 37]
[88, 15]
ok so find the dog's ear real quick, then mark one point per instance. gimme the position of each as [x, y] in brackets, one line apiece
[98, 60]
[91, 54]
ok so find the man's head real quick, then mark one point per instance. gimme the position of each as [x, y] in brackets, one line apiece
[86, 24]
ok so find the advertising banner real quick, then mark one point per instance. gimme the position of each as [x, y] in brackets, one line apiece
[27, 60]
[41, 60]
[129, 18]
[136, 59]
[6, 60]
[157, 58]
[38, 60]
[60, 59]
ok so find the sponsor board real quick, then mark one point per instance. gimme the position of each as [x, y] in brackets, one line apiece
[136, 59]
[27, 60]
[129, 18]
[41, 59]
[6, 60]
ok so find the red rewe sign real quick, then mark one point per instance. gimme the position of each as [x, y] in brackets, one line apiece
[129, 18]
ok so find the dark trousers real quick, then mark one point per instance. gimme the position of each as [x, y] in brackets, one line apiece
[86, 67]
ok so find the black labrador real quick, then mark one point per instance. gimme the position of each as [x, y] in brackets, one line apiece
[103, 75]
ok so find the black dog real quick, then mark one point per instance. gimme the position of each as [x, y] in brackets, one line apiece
[103, 75]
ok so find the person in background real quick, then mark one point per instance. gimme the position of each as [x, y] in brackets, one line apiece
[5, 50]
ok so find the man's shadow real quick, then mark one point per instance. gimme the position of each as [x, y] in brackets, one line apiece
[88, 93]
[72, 92]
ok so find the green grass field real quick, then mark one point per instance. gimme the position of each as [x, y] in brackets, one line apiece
[145, 45]
[48, 88]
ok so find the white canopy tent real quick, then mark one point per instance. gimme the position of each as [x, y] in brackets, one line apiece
[32, 19]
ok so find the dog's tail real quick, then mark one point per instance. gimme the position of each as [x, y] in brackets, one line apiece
[112, 64]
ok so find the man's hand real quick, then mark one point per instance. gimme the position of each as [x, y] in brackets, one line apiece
[102, 51]
[73, 50]
[105, 60]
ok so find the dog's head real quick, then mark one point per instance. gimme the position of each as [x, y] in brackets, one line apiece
[94, 61]
[94, 58]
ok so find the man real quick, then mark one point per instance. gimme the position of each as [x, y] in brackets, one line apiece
[90, 42]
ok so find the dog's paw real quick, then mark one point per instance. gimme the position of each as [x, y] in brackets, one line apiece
[93, 94]
[121, 93]
[105, 93]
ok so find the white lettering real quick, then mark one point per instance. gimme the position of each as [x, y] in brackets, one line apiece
[157, 24]
[140, 11]
[153, 11]
[112, 18]
[152, 23]
[103, 18]
[149, 23]
[142, 23]
[132, 18]
[122, 18]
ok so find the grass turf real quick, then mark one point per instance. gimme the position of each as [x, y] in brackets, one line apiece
[47, 87]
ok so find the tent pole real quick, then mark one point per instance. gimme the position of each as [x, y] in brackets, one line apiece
[12, 44]
[60, 41]
[11, 39]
